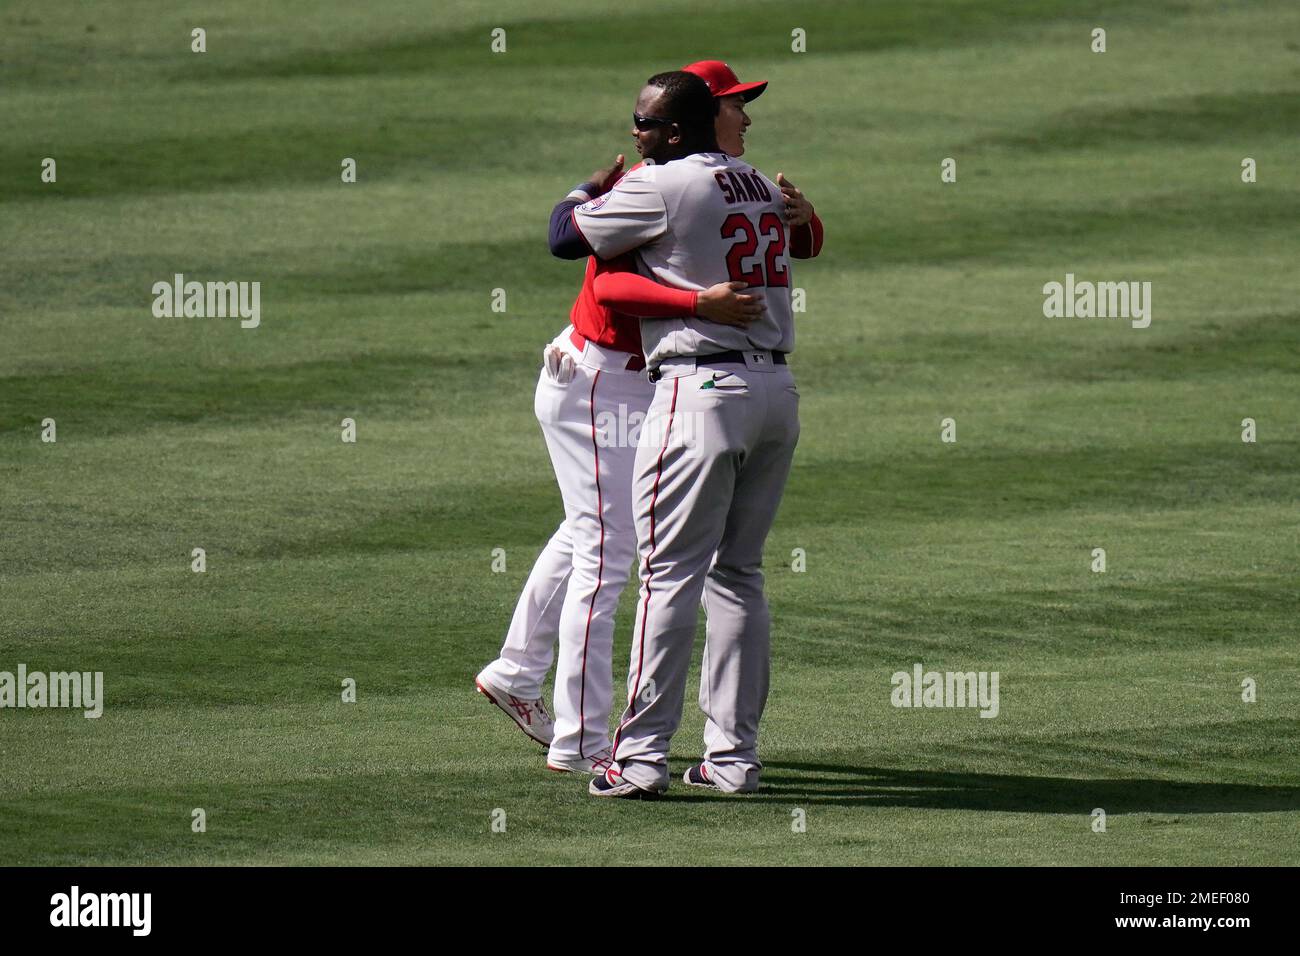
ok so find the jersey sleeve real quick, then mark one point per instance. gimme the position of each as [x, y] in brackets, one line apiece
[806, 240]
[629, 215]
[631, 294]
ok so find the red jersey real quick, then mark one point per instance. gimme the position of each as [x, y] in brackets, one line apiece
[599, 324]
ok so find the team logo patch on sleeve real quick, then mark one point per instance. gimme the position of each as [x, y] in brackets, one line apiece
[594, 204]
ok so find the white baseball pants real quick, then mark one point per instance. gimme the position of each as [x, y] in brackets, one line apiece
[591, 425]
[715, 453]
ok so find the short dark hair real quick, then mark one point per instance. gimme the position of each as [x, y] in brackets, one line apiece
[688, 102]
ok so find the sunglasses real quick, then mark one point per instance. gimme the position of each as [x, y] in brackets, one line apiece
[643, 123]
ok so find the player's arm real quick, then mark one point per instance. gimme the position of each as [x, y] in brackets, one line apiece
[635, 295]
[629, 215]
[565, 240]
[806, 240]
[806, 231]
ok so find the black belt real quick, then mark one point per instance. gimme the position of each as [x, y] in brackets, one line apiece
[722, 358]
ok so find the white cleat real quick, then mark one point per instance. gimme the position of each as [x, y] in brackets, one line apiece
[697, 776]
[530, 716]
[611, 784]
[595, 765]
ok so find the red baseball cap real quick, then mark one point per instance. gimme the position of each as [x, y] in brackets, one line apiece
[723, 81]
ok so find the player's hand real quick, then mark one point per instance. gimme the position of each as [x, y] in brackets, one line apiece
[607, 177]
[798, 210]
[724, 304]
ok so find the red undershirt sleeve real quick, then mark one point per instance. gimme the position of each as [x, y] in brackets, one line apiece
[633, 294]
[806, 241]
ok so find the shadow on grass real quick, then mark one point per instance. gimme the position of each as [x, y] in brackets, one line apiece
[834, 785]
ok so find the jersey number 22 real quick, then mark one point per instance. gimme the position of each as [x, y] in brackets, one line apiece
[771, 228]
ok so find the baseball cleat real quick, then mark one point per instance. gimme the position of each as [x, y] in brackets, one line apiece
[697, 776]
[530, 716]
[597, 763]
[612, 784]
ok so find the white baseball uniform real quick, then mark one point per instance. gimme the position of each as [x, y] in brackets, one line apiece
[591, 423]
[713, 459]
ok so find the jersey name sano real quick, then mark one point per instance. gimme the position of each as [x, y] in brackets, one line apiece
[695, 222]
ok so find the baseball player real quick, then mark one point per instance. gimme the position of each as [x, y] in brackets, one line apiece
[590, 397]
[703, 507]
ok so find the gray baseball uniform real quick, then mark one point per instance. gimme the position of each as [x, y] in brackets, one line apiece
[713, 458]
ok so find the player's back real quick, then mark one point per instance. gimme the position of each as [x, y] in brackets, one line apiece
[726, 222]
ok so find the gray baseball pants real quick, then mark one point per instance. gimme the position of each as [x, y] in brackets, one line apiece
[711, 465]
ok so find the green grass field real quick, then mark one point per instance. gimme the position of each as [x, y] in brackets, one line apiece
[1119, 690]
